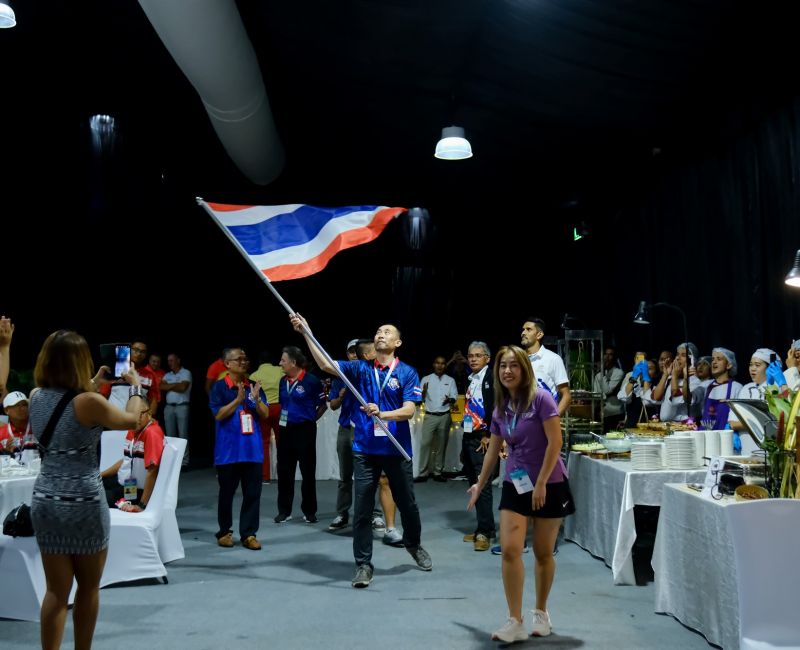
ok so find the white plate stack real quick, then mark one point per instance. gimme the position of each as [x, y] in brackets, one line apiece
[680, 452]
[647, 455]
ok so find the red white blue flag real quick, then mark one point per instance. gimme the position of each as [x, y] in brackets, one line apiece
[287, 242]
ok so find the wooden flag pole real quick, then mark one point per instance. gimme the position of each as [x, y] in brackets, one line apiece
[308, 333]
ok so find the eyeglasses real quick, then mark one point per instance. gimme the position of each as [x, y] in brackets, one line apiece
[476, 356]
[240, 360]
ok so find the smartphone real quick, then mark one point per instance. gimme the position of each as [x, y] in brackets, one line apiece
[116, 356]
[773, 358]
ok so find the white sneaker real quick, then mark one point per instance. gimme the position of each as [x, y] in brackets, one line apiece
[378, 524]
[512, 631]
[541, 623]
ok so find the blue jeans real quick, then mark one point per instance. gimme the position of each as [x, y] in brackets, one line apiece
[473, 463]
[367, 470]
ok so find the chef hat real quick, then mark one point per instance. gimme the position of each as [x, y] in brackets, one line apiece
[730, 356]
[692, 348]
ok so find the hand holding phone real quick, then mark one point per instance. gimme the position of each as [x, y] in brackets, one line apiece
[116, 356]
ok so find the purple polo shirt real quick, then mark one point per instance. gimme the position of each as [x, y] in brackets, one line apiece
[528, 442]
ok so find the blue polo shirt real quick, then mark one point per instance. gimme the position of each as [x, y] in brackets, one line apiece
[349, 403]
[231, 445]
[402, 385]
[302, 401]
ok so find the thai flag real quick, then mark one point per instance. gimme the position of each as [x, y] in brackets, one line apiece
[287, 242]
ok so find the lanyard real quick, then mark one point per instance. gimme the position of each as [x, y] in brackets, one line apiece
[133, 442]
[386, 380]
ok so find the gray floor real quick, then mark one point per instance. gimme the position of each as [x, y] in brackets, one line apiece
[296, 592]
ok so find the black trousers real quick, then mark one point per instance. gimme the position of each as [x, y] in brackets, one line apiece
[297, 443]
[229, 477]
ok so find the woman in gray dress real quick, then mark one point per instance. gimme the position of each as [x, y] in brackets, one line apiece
[69, 510]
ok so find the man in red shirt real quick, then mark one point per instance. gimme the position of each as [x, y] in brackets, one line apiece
[216, 371]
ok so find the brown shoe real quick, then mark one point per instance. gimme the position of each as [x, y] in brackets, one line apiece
[226, 540]
[252, 543]
[469, 538]
[481, 542]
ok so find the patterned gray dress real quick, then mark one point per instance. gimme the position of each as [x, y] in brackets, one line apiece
[69, 510]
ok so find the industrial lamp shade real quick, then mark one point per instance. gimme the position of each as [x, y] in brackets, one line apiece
[642, 316]
[453, 145]
[793, 276]
[7, 17]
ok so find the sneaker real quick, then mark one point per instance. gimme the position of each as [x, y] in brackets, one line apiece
[280, 518]
[310, 519]
[439, 478]
[496, 550]
[378, 524]
[392, 537]
[481, 542]
[363, 576]
[421, 557]
[338, 523]
[420, 479]
[512, 631]
[226, 541]
[252, 543]
[469, 538]
[541, 623]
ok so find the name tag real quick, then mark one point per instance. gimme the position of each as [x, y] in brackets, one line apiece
[129, 490]
[246, 421]
[284, 420]
[521, 481]
[376, 429]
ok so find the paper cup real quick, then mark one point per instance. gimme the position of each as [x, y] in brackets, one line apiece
[726, 443]
[712, 443]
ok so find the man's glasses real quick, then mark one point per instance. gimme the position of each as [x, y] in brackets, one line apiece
[476, 356]
[240, 360]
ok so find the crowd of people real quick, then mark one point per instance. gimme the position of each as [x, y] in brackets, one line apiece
[511, 414]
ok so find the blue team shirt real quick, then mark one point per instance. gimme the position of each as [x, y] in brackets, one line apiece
[348, 403]
[231, 445]
[402, 386]
[302, 402]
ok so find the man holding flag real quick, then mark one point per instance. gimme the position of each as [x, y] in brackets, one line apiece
[391, 389]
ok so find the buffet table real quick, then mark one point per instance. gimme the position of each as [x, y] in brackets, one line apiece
[694, 566]
[605, 492]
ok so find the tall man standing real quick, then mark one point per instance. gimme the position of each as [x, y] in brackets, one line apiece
[390, 388]
[548, 367]
[440, 393]
[177, 384]
[236, 404]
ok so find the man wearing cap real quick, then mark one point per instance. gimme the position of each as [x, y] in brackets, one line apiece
[793, 366]
[12, 435]
[342, 398]
[723, 369]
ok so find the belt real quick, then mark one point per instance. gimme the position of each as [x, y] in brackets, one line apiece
[439, 413]
[178, 404]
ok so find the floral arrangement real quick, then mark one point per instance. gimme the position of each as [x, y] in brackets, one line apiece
[783, 456]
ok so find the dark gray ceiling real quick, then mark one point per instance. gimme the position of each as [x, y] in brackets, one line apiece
[573, 95]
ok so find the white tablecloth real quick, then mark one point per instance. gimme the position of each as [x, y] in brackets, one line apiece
[13, 491]
[695, 570]
[605, 492]
[328, 460]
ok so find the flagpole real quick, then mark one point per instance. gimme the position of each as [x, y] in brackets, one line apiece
[308, 333]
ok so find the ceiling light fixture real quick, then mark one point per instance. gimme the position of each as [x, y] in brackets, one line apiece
[453, 145]
[7, 17]
[793, 276]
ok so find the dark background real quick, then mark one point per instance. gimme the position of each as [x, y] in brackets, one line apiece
[670, 129]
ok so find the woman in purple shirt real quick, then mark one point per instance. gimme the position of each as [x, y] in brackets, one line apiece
[535, 485]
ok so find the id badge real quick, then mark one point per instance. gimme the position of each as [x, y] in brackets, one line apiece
[246, 421]
[467, 425]
[521, 481]
[129, 490]
[284, 418]
[376, 429]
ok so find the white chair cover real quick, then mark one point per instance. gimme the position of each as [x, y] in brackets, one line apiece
[112, 446]
[133, 546]
[765, 536]
[22, 578]
[170, 545]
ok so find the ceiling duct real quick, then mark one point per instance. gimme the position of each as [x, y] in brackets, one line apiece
[209, 43]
